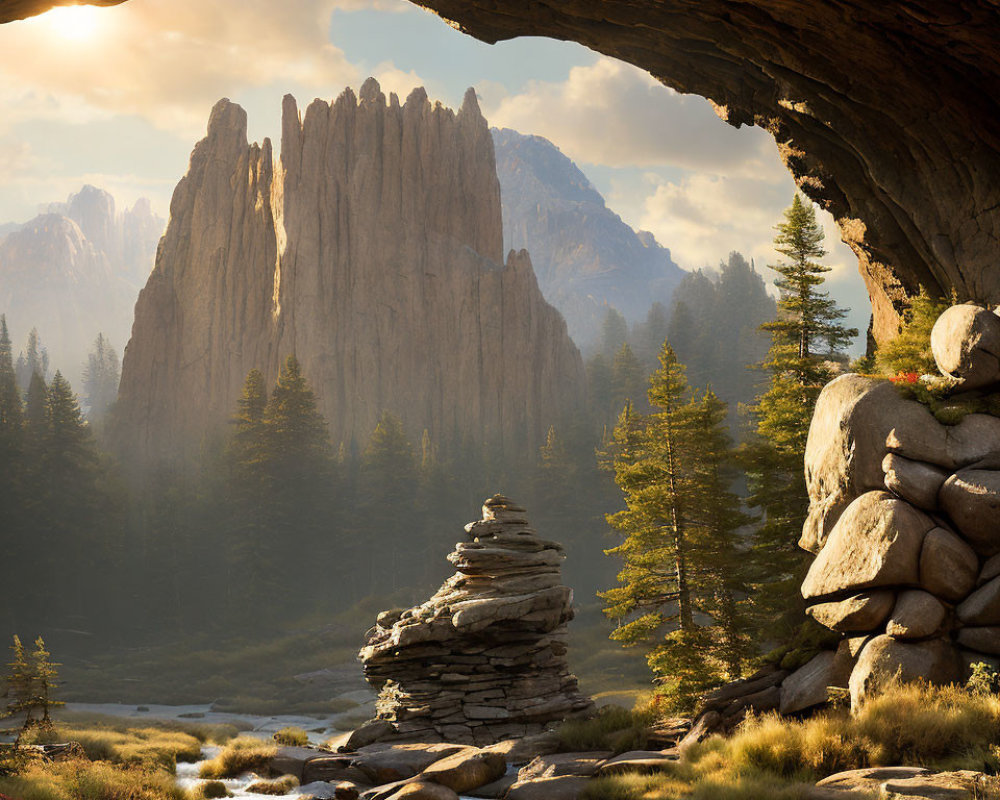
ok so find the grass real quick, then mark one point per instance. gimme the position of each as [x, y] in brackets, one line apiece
[613, 728]
[86, 780]
[292, 737]
[278, 786]
[944, 728]
[143, 747]
[243, 754]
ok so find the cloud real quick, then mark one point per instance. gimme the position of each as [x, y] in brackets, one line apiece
[614, 114]
[167, 60]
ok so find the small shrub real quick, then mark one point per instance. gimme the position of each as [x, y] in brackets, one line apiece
[211, 790]
[292, 737]
[612, 728]
[984, 679]
[278, 786]
[243, 754]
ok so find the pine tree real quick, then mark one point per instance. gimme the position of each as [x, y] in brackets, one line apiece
[11, 457]
[388, 483]
[45, 682]
[628, 378]
[34, 358]
[614, 332]
[20, 686]
[910, 352]
[797, 364]
[101, 376]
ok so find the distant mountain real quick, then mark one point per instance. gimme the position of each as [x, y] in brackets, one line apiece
[586, 258]
[75, 271]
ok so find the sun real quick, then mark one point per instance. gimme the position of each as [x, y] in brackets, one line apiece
[78, 23]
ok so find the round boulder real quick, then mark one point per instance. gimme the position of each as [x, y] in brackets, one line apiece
[965, 341]
[853, 419]
[971, 498]
[875, 543]
[861, 612]
[917, 615]
[982, 607]
[948, 566]
[914, 481]
[884, 659]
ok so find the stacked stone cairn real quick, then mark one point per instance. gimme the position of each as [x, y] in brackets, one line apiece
[904, 519]
[485, 658]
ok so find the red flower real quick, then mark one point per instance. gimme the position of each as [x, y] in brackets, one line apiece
[905, 377]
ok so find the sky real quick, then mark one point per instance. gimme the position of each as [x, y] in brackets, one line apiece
[118, 96]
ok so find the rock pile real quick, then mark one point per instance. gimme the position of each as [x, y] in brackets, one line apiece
[484, 658]
[905, 515]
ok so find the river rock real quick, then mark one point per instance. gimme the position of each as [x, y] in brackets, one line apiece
[971, 499]
[643, 762]
[484, 659]
[948, 566]
[466, 770]
[884, 659]
[854, 416]
[876, 542]
[914, 481]
[917, 615]
[565, 787]
[583, 764]
[861, 612]
[911, 783]
[965, 341]
[990, 570]
[387, 763]
[423, 790]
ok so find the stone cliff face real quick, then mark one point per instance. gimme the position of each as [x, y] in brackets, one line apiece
[585, 257]
[885, 113]
[85, 259]
[372, 249]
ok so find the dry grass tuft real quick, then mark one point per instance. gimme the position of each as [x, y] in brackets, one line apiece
[278, 786]
[243, 754]
[84, 780]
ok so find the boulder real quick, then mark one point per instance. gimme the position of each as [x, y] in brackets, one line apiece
[388, 763]
[861, 612]
[917, 615]
[466, 770]
[876, 542]
[982, 640]
[846, 446]
[809, 685]
[423, 790]
[971, 499]
[948, 566]
[521, 751]
[973, 441]
[884, 659]
[965, 341]
[582, 764]
[372, 731]
[910, 783]
[640, 762]
[982, 607]
[292, 760]
[495, 790]
[914, 481]
[990, 570]
[322, 790]
[565, 787]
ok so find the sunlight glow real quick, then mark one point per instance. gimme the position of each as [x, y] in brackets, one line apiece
[78, 23]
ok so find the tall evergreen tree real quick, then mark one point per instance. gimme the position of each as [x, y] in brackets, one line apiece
[805, 335]
[101, 376]
[614, 332]
[34, 358]
[628, 378]
[11, 457]
[682, 587]
[45, 677]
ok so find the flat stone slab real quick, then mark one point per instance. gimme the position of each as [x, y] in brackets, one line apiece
[552, 766]
[639, 761]
[565, 787]
[912, 782]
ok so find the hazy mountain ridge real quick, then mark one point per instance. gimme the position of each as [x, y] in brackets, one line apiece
[74, 271]
[586, 258]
